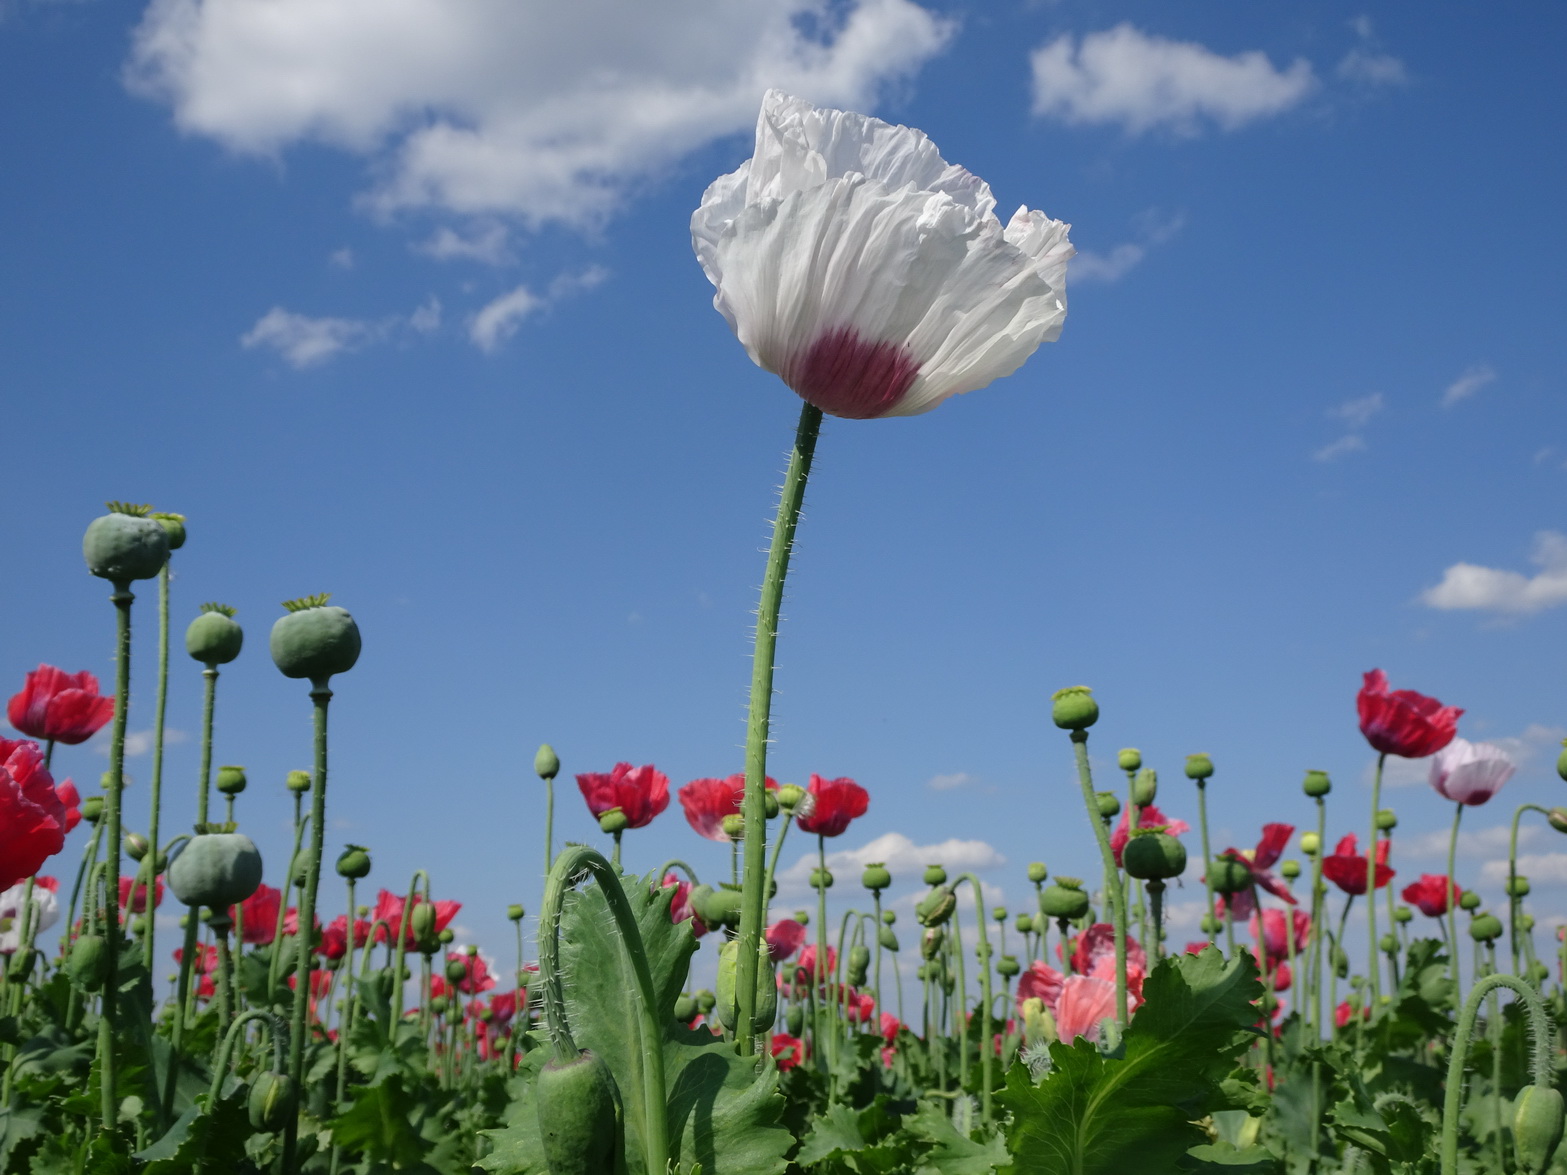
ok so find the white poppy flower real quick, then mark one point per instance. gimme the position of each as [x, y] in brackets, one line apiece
[1470, 773]
[46, 912]
[869, 274]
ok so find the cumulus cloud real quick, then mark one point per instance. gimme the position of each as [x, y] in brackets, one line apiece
[1467, 384]
[1140, 81]
[904, 859]
[543, 113]
[953, 780]
[304, 341]
[1477, 842]
[501, 318]
[489, 244]
[1539, 868]
[1468, 586]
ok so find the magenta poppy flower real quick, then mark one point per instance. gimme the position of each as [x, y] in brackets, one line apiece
[1148, 817]
[33, 821]
[890, 1027]
[133, 894]
[1272, 929]
[1429, 894]
[680, 905]
[55, 706]
[503, 1006]
[836, 803]
[1085, 1003]
[259, 914]
[1402, 722]
[1345, 867]
[1258, 863]
[708, 801]
[784, 937]
[640, 792]
[1470, 773]
[389, 909]
[1040, 982]
[477, 977]
[788, 1051]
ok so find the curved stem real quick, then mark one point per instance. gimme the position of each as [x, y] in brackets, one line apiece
[772, 861]
[89, 855]
[663, 872]
[277, 1029]
[1373, 954]
[574, 863]
[402, 942]
[986, 1070]
[758, 723]
[1512, 878]
[1115, 896]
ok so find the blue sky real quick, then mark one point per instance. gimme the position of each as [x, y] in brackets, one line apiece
[407, 312]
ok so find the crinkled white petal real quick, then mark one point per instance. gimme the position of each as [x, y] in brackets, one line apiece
[46, 912]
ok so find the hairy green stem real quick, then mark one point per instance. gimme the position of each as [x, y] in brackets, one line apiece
[1513, 901]
[1374, 953]
[1115, 895]
[160, 709]
[107, 1062]
[987, 1070]
[1207, 858]
[1452, 903]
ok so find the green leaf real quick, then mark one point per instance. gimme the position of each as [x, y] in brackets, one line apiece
[200, 1140]
[1222, 1157]
[379, 1123]
[951, 1152]
[515, 1148]
[833, 1134]
[1096, 1115]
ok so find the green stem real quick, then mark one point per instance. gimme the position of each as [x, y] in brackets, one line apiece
[1375, 951]
[89, 855]
[1207, 857]
[987, 1070]
[575, 862]
[958, 1007]
[204, 780]
[1155, 891]
[1318, 892]
[549, 824]
[278, 1030]
[1513, 902]
[1115, 896]
[108, 1065]
[826, 1048]
[346, 1023]
[160, 708]
[758, 725]
[275, 963]
[772, 861]
[398, 981]
[876, 929]
[1540, 1054]
[1452, 903]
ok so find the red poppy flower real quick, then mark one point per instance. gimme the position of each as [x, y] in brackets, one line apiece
[1273, 930]
[680, 905]
[1040, 982]
[503, 1006]
[291, 922]
[258, 913]
[206, 987]
[1344, 1013]
[60, 707]
[72, 801]
[640, 792]
[890, 1026]
[1402, 722]
[784, 938]
[205, 961]
[135, 901]
[1346, 868]
[708, 801]
[1429, 894]
[858, 1006]
[389, 909]
[32, 818]
[478, 977]
[803, 970]
[334, 939]
[836, 802]
[1275, 838]
[1148, 817]
[788, 1051]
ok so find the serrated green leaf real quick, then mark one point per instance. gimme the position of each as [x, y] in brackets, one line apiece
[379, 1123]
[1095, 1115]
[951, 1152]
[835, 1133]
[1222, 1157]
[212, 1141]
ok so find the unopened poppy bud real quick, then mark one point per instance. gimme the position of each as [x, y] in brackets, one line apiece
[456, 971]
[1074, 708]
[1290, 869]
[445, 937]
[1561, 761]
[1517, 887]
[876, 878]
[1199, 766]
[272, 1102]
[214, 637]
[803, 917]
[92, 809]
[1024, 924]
[1339, 959]
[999, 913]
[1007, 966]
[1538, 972]
[231, 780]
[1526, 922]
[421, 920]
[139, 925]
[438, 1004]
[315, 640]
[936, 907]
[1229, 876]
[515, 912]
[930, 944]
[1317, 784]
[546, 763]
[794, 1020]
[1556, 816]
[1387, 820]
[1145, 787]
[125, 544]
[302, 863]
[354, 862]
[135, 846]
[1538, 1118]
[685, 1008]
[789, 797]
[1388, 943]
[1064, 899]
[1403, 914]
[1037, 872]
[733, 826]
[935, 875]
[298, 782]
[859, 960]
[1310, 843]
[1485, 928]
[1154, 856]
[821, 878]
[613, 820]
[770, 803]
[1130, 759]
[1469, 900]
[173, 527]
[888, 940]
[1109, 804]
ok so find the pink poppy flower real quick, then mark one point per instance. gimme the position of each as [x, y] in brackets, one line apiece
[1273, 930]
[680, 905]
[1258, 863]
[784, 938]
[1429, 894]
[1402, 722]
[708, 801]
[640, 792]
[32, 818]
[60, 707]
[258, 912]
[837, 802]
[1470, 773]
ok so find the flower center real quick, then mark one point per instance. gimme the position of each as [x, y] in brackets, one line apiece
[845, 375]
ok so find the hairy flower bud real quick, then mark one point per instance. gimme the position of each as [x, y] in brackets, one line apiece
[930, 944]
[1538, 1117]
[936, 907]
[136, 846]
[1130, 759]
[1108, 803]
[456, 971]
[728, 996]
[1317, 784]
[92, 809]
[1074, 708]
[580, 1119]
[173, 527]
[1561, 761]
[888, 939]
[1145, 787]
[685, 1008]
[1556, 816]
[1199, 766]
[733, 825]
[272, 1101]
[770, 803]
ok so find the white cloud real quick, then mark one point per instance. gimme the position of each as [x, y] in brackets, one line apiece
[1352, 443]
[1467, 384]
[948, 782]
[1478, 842]
[498, 320]
[1153, 228]
[546, 113]
[904, 859]
[1366, 63]
[1358, 413]
[304, 341]
[489, 244]
[1123, 75]
[1467, 586]
[1399, 772]
[137, 742]
[342, 258]
[1539, 868]
[427, 319]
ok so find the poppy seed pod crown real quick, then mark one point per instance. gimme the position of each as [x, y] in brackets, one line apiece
[315, 639]
[125, 544]
[1316, 784]
[173, 526]
[1198, 766]
[1074, 708]
[214, 637]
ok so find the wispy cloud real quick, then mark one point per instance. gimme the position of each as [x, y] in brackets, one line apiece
[1356, 414]
[1468, 586]
[1345, 445]
[304, 341]
[904, 859]
[1539, 868]
[1367, 64]
[1152, 227]
[489, 244]
[1141, 82]
[1467, 384]
[137, 742]
[955, 780]
[501, 318]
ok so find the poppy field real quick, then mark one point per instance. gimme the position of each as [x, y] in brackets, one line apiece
[321, 1019]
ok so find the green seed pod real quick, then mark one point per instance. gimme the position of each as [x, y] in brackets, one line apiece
[1340, 960]
[21, 966]
[1539, 972]
[890, 917]
[216, 870]
[930, 944]
[1526, 922]
[314, 640]
[298, 782]
[733, 825]
[613, 820]
[136, 846]
[876, 878]
[456, 971]
[1317, 784]
[856, 976]
[1538, 1117]
[1229, 875]
[999, 913]
[794, 1020]
[1485, 928]
[1130, 759]
[1037, 873]
[803, 917]
[821, 878]
[789, 797]
[92, 809]
[302, 864]
[546, 764]
[888, 938]
[1387, 820]
[936, 907]
[173, 526]
[859, 957]
[1199, 766]
[685, 1008]
[421, 920]
[1154, 856]
[1208, 924]
[445, 937]
[1108, 803]
[1517, 887]
[354, 862]
[1064, 901]
[515, 913]
[231, 780]
[1556, 816]
[705, 1001]
[1289, 869]
[214, 637]
[1389, 944]
[1469, 900]
[1145, 787]
[1310, 843]
[766, 988]
[1007, 966]
[125, 544]
[717, 907]
[1403, 914]
[935, 875]
[438, 1004]
[1561, 761]
[272, 1101]
[1024, 923]
[1074, 708]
